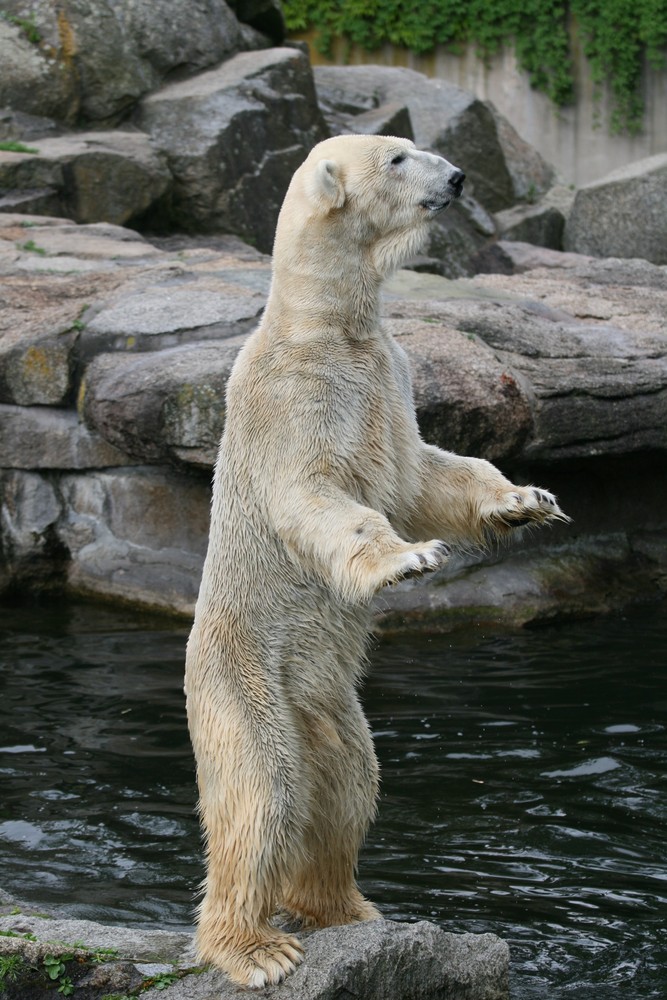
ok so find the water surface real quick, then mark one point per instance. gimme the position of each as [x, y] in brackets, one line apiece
[523, 786]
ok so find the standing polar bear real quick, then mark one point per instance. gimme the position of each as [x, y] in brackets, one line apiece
[324, 492]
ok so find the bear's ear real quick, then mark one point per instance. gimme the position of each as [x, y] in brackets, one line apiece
[325, 186]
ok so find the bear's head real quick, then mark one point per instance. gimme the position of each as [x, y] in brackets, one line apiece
[368, 191]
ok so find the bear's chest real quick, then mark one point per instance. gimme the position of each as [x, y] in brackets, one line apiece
[375, 429]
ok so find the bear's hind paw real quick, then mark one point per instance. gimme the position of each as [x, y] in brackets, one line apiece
[265, 962]
[273, 962]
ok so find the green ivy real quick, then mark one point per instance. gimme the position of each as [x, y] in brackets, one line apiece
[617, 36]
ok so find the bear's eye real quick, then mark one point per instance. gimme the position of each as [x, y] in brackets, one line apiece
[398, 159]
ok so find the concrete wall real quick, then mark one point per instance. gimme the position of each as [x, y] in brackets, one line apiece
[576, 139]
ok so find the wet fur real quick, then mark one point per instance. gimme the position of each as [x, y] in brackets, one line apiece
[324, 492]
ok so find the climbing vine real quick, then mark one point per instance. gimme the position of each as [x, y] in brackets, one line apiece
[617, 35]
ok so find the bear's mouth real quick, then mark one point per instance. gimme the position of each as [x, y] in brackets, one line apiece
[435, 204]
[439, 201]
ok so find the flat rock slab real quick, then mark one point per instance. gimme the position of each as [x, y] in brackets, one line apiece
[71, 292]
[91, 176]
[583, 341]
[376, 961]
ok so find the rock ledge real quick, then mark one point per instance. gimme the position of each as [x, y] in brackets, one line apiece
[376, 961]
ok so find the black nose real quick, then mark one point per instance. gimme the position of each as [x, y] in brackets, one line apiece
[456, 180]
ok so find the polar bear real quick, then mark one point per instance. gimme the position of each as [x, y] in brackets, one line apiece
[323, 493]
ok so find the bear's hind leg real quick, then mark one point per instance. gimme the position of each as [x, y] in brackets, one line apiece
[322, 891]
[253, 824]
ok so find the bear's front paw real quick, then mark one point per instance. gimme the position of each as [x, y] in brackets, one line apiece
[525, 505]
[417, 560]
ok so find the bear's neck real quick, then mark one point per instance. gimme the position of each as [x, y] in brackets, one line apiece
[324, 284]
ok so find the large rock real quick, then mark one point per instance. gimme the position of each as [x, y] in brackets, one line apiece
[173, 310]
[379, 960]
[248, 124]
[467, 400]
[41, 321]
[33, 78]
[501, 168]
[102, 288]
[388, 119]
[136, 535]
[90, 61]
[164, 405]
[88, 177]
[585, 349]
[37, 369]
[548, 359]
[530, 174]
[541, 223]
[455, 238]
[624, 214]
[39, 437]
[32, 554]
[170, 404]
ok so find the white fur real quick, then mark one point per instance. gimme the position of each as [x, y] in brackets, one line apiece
[324, 492]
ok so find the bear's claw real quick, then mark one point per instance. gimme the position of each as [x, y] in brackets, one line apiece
[425, 558]
[267, 962]
[526, 505]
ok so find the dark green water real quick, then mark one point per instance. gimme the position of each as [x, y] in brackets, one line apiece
[523, 785]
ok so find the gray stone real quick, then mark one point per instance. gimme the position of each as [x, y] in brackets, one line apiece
[40, 322]
[33, 78]
[500, 168]
[624, 214]
[96, 176]
[478, 218]
[161, 405]
[519, 258]
[387, 119]
[540, 224]
[595, 386]
[530, 174]
[31, 201]
[612, 378]
[467, 401]
[249, 124]
[96, 59]
[37, 370]
[29, 510]
[39, 437]
[173, 311]
[97, 241]
[143, 945]
[24, 127]
[597, 573]
[456, 237]
[375, 961]
[36, 343]
[136, 535]
[125, 53]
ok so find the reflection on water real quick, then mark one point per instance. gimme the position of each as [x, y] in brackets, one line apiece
[523, 785]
